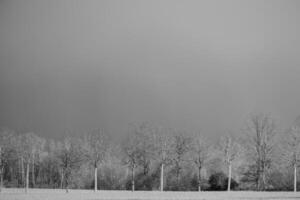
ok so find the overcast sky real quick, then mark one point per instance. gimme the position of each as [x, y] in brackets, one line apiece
[192, 65]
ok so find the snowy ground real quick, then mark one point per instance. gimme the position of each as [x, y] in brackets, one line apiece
[50, 194]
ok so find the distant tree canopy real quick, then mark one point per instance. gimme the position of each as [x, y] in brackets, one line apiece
[154, 158]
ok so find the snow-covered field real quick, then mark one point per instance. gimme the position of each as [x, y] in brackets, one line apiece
[50, 194]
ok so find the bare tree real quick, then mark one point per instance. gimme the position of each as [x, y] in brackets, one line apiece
[132, 155]
[261, 132]
[231, 149]
[98, 143]
[199, 154]
[28, 142]
[18, 146]
[139, 148]
[1, 167]
[37, 149]
[162, 142]
[180, 147]
[144, 133]
[71, 156]
[6, 137]
[291, 151]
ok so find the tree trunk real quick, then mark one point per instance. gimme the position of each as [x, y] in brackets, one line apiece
[178, 176]
[229, 177]
[263, 180]
[67, 185]
[132, 179]
[40, 176]
[62, 179]
[32, 174]
[162, 177]
[178, 180]
[95, 178]
[67, 176]
[27, 177]
[12, 173]
[260, 175]
[1, 171]
[257, 181]
[22, 172]
[1, 179]
[19, 172]
[199, 179]
[295, 178]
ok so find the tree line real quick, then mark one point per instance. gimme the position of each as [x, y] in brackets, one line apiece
[260, 158]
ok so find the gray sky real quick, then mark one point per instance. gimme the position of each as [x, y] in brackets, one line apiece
[193, 65]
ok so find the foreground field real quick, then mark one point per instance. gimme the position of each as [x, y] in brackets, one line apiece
[50, 194]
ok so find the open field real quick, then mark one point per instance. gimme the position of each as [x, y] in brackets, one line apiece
[51, 194]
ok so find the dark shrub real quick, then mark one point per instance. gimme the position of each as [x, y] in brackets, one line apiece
[219, 181]
[141, 182]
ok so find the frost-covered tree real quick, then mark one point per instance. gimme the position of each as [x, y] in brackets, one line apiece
[200, 152]
[29, 146]
[97, 147]
[139, 148]
[162, 142]
[261, 139]
[291, 150]
[6, 151]
[132, 154]
[71, 155]
[230, 151]
[181, 145]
